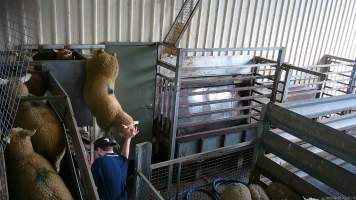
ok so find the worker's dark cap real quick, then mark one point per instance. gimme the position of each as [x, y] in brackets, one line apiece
[104, 142]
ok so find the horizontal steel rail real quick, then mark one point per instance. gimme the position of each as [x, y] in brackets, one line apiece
[278, 173]
[319, 74]
[324, 106]
[320, 168]
[209, 122]
[322, 136]
[237, 89]
[182, 115]
[205, 155]
[338, 58]
[225, 100]
[233, 49]
[216, 132]
[166, 65]
[317, 152]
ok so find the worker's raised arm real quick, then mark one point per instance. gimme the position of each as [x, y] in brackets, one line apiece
[130, 132]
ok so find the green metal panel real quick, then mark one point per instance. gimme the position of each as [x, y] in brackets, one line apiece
[136, 84]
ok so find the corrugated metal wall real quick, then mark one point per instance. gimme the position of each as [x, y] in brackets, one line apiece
[307, 28]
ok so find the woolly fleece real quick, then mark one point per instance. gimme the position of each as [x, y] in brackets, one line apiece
[30, 176]
[101, 73]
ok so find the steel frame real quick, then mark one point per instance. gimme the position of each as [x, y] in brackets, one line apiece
[334, 76]
[287, 117]
[173, 81]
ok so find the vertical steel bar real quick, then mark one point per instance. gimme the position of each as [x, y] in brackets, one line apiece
[278, 72]
[173, 131]
[352, 82]
[286, 84]
[156, 102]
[3, 180]
[178, 179]
[142, 164]
[258, 149]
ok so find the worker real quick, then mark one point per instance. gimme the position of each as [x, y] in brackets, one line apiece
[110, 169]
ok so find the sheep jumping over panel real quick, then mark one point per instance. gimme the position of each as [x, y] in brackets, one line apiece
[31, 176]
[101, 73]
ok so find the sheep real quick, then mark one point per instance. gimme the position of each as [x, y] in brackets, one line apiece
[49, 140]
[35, 114]
[257, 192]
[31, 176]
[64, 54]
[236, 191]
[37, 85]
[101, 73]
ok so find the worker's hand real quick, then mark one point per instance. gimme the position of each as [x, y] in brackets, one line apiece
[129, 132]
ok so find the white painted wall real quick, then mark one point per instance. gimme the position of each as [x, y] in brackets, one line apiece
[307, 28]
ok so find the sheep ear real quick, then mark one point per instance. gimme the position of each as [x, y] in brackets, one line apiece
[22, 132]
[3, 81]
[16, 130]
[26, 78]
[29, 132]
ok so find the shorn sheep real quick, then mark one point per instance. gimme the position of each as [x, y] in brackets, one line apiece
[236, 191]
[36, 115]
[30, 176]
[101, 73]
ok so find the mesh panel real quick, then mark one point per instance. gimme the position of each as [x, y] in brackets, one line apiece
[146, 192]
[193, 178]
[182, 20]
[18, 29]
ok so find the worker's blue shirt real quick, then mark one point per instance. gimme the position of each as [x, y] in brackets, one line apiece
[110, 173]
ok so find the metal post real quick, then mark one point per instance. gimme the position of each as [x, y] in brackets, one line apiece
[264, 125]
[174, 117]
[154, 114]
[173, 131]
[352, 82]
[322, 86]
[286, 84]
[143, 165]
[277, 76]
[3, 180]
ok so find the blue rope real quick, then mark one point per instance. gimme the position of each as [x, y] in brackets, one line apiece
[214, 194]
[187, 193]
[218, 181]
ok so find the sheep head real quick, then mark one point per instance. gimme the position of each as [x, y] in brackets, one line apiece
[16, 86]
[20, 141]
[103, 64]
[64, 54]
